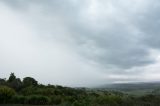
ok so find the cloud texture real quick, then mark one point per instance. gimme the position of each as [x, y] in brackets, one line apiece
[79, 42]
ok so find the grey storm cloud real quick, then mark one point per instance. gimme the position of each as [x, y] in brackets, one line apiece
[108, 35]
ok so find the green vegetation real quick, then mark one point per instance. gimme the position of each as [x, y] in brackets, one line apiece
[28, 91]
[6, 94]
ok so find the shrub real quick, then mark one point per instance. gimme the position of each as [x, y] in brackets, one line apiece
[38, 100]
[111, 100]
[28, 91]
[56, 100]
[6, 94]
[19, 99]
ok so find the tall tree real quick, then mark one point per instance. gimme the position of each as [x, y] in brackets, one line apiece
[12, 77]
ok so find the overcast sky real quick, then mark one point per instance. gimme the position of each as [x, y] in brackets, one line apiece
[80, 42]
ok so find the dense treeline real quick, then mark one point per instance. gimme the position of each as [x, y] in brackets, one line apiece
[28, 91]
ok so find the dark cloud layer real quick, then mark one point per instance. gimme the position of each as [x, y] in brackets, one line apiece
[113, 36]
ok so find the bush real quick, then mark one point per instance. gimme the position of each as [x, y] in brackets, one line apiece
[80, 103]
[56, 100]
[6, 94]
[18, 99]
[28, 91]
[38, 100]
[111, 100]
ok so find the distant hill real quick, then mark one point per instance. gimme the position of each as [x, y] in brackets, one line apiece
[133, 88]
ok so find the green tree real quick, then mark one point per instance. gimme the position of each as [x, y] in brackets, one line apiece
[29, 81]
[12, 77]
[16, 84]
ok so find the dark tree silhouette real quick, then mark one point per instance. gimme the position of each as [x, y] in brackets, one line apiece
[29, 81]
[12, 77]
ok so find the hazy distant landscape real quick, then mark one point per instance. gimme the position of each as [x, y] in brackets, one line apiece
[30, 92]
